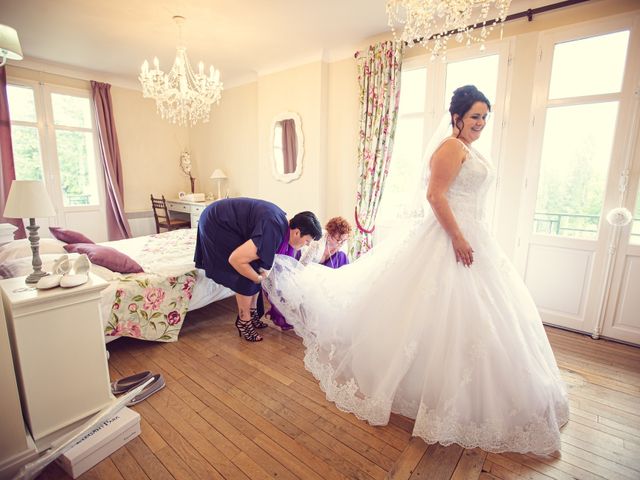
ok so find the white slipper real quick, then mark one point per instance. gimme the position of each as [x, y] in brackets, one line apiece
[80, 275]
[60, 267]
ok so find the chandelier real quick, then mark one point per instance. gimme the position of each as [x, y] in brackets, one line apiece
[432, 22]
[181, 95]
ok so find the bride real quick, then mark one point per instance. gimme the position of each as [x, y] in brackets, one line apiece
[435, 325]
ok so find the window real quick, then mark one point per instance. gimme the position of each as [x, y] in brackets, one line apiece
[580, 125]
[25, 134]
[426, 91]
[63, 128]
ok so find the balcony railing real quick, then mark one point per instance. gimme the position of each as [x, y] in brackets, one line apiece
[570, 224]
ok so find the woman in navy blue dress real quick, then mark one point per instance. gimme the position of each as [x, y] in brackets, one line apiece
[237, 241]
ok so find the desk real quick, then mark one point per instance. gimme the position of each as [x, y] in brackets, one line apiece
[192, 210]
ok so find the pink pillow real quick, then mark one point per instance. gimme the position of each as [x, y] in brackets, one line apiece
[69, 236]
[106, 257]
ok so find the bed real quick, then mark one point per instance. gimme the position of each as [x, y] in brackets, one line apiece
[151, 305]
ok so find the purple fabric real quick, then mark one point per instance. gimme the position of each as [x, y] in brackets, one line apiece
[289, 145]
[337, 260]
[117, 224]
[106, 257]
[275, 315]
[6, 156]
[69, 236]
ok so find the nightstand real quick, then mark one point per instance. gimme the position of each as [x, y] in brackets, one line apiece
[58, 348]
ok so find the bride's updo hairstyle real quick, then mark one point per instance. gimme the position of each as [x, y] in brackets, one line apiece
[461, 102]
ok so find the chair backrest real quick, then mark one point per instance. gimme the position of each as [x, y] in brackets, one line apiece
[160, 212]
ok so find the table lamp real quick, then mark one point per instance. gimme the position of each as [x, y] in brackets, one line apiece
[219, 176]
[9, 45]
[29, 199]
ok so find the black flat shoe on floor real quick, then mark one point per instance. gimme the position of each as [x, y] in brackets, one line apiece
[127, 383]
[153, 387]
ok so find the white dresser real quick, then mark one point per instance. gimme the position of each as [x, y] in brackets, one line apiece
[186, 209]
[58, 349]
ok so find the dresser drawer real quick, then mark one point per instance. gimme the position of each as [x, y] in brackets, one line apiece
[178, 207]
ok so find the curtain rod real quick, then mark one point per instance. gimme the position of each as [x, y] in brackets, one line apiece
[515, 16]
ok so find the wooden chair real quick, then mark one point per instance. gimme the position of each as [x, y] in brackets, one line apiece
[162, 217]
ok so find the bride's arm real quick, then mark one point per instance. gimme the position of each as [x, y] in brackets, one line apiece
[445, 166]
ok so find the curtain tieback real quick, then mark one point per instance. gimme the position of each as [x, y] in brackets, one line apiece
[359, 225]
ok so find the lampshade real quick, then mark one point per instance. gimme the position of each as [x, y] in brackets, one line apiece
[217, 173]
[28, 199]
[9, 44]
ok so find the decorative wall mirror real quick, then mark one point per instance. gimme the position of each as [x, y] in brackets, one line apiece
[287, 147]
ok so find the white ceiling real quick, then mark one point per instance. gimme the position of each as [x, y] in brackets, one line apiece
[242, 38]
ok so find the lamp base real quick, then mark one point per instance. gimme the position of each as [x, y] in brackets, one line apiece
[34, 240]
[35, 276]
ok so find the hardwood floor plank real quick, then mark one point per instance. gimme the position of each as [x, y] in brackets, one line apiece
[438, 462]
[147, 460]
[405, 465]
[470, 464]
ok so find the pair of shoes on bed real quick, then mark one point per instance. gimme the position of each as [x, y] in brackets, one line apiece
[66, 274]
[127, 384]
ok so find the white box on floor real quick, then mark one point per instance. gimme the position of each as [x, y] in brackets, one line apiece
[101, 442]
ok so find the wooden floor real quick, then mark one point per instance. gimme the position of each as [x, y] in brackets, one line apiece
[237, 410]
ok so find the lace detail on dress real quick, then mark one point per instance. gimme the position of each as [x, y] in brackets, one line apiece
[539, 434]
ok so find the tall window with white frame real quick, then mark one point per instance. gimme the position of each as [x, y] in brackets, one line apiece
[418, 118]
[53, 140]
[580, 124]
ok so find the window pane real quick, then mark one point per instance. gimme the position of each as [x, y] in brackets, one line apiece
[405, 169]
[77, 167]
[578, 66]
[635, 230]
[22, 105]
[573, 172]
[71, 111]
[413, 91]
[483, 73]
[26, 152]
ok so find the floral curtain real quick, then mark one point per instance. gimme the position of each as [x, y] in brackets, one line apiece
[379, 79]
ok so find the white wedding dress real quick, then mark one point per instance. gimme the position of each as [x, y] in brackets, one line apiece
[407, 329]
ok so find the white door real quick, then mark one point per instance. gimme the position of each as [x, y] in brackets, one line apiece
[621, 319]
[585, 109]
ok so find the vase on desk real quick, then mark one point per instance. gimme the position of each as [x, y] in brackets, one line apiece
[193, 184]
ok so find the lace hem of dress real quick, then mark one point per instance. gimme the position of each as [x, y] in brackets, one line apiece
[539, 435]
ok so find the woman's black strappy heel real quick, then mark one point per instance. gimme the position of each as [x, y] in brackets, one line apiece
[246, 330]
[255, 319]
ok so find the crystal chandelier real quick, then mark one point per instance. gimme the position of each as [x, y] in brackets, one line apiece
[432, 22]
[181, 95]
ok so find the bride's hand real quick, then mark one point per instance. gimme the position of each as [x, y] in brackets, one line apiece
[464, 252]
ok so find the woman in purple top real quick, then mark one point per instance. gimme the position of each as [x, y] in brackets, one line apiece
[237, 241]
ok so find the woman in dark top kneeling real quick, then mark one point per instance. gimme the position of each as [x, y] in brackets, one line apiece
[238, 239]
